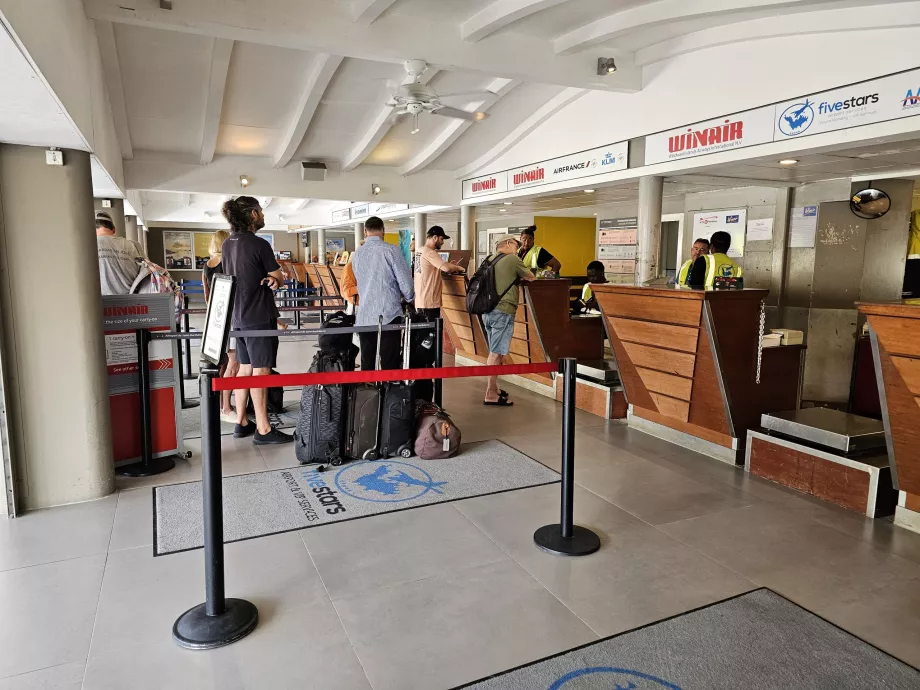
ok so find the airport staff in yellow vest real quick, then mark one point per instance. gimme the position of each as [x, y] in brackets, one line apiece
[717, 263]
[699, 248]
[534, 256]
[596, 276]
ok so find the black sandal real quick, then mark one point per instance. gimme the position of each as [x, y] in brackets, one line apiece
[501, 402]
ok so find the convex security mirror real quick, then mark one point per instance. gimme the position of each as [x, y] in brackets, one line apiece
[870, 203]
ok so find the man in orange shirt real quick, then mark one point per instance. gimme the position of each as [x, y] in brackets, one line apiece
[428, 274]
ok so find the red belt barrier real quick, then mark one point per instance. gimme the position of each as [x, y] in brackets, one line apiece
[379, 376]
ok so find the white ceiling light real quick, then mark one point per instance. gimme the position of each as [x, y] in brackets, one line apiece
[788, 161]
[280, 218]
[589, 191]
[508, 203]
[375, 189]
[244, 181]
[606, 66]
[502, 210]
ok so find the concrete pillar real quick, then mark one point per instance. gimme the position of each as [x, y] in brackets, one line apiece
[468, 234]
[131, 231]
[321, 245]
[117, 211]
[53, 347]
[359, 234]
[420, 224]
[649, 235]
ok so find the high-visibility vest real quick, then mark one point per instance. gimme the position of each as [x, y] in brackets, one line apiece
[684, 273]
[530, 258]
[586, 293]
[721, 266]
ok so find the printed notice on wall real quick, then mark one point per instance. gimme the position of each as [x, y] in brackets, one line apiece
[760, 230]
[733, 222]
[803, 227]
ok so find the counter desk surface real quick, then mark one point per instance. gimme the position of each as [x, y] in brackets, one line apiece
[688, 361]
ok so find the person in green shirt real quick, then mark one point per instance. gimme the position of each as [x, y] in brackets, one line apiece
[499, 323]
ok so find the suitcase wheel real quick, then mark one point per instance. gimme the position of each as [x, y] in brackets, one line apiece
[370, 455]
[405, 452]
[336, 462]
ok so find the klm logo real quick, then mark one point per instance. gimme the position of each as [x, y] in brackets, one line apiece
[911, 99]
[609, 159]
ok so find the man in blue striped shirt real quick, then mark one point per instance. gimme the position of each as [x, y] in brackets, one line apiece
[384, 280]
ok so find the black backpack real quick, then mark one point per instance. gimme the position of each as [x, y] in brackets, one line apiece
[482, 293]
[336, 342]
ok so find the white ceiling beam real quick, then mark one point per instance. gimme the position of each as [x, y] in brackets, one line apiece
[379, 127]
[891, 16]
[365, 12]
[444, 140]
[217, 83]
[537, 118]
[300, 204]
[185, 200]
[111, 67]
[324, 67]
[654, 14]
[321, 26]
[500, 14]
[265, 202]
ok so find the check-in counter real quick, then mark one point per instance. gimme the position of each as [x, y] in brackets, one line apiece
[688, 363]
[544, 331]
[894, 331]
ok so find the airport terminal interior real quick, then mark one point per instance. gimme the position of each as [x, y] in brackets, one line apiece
[703, 467]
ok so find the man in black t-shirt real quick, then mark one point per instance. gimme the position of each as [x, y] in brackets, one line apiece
[252, 261]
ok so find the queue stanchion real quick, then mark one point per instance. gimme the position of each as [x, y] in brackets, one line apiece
[189, 375]
[438, 358]
[567, 538]
[148, 465]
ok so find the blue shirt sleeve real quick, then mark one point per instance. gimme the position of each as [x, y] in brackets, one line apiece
[403, 275]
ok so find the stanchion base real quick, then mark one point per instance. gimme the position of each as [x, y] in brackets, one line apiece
[189, 404]
[582, 542]
[195, 629]
[139, 469]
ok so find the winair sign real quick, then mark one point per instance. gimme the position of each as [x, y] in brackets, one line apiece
[577, 165]
[870, 102]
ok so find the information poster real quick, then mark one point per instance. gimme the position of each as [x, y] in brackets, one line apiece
[760, 230]
[803, 227]
[617, 248]
[733, 222]
[202, 248]
[335, 244]
[177, 249]
[122, 315]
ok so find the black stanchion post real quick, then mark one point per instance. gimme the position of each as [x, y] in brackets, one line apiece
[567, 538]
[322, 316]
[188, 343]
[218, 621]
[148, 465]
[438, 358]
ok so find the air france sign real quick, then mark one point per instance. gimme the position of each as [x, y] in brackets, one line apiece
[577, 165]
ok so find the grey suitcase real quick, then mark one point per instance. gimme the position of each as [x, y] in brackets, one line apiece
[363, 417]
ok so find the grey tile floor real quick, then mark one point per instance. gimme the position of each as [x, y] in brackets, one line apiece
[438, 596]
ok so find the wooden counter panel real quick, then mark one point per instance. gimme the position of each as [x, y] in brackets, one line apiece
[909, 369]
[899, 336]
[674, 311]
[464, 332]
[671, 407]
[662, 335]
[520, 330]
[454, 286]
[685, 427]
[674, 386]
[636, 393]
[707, 408]
[520, 347]
[454, 302]
[668, 361]
[904, 421]
[781, 464]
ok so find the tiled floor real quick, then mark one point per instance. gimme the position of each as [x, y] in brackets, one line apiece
[438, 596]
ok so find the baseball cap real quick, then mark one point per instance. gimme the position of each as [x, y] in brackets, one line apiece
[436, 231]
[504, 238]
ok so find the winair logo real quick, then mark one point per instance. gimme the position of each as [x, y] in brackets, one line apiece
[911, 99]
[485, 185]
[528, 176]
[134, 310]
[697, 139]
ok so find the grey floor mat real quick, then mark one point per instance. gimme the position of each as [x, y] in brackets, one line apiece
[755, 641]
[263, 503]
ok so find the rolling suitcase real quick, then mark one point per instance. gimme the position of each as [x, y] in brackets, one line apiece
[397, 418]
[320, 431]
[362, 426]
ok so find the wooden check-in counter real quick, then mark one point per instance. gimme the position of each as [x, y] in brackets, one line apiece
[688, 361]
[894, 330]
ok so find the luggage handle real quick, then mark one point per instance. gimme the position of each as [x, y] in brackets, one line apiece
[377, 362]
[407, 343]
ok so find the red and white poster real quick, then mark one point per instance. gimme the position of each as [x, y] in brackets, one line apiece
[122, 315]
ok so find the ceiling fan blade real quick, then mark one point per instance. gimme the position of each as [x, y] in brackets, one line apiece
[396, 116]
[459, 114]
[469, 94]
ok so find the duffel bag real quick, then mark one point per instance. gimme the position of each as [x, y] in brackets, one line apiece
[436, 435]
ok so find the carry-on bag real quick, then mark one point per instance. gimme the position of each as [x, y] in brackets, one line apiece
[397, 418]
[362, 427]
[320, 434]
[274, 403]
[436, 435]
[422, 355]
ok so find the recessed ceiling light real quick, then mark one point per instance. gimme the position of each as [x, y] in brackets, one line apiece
[788, 161]
[502, 210]
[589, 191]
[244, 180]
[508, 203]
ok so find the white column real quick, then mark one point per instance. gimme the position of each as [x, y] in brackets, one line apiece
[468, 233]
[359, 234]
[420, 221]
[649, 235]
[131, 228]
[321, 245]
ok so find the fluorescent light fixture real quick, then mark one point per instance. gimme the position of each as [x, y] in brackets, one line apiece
[502, 210]
[508, 203]
[589, 191]
[788, 161]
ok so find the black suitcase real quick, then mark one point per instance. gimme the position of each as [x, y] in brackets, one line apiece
[320, 432]
[422, 355]
[362, 423]
[397, 419]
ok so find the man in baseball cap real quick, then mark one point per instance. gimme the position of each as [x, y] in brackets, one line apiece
[118, 256]
[428, 271]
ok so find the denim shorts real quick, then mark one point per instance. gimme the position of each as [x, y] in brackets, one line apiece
[499, 328]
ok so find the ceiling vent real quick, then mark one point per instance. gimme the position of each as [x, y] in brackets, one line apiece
[312, 171]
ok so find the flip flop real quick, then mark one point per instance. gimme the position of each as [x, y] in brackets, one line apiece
[501, 402]
[502, 394]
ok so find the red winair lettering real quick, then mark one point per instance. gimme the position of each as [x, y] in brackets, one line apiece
[484, 185]
[730, 131]
[528, 176]
[135, 310]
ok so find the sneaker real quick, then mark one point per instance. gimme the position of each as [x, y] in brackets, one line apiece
[273, 437]
[244, 431]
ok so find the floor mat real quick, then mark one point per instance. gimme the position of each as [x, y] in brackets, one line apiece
[758, 640]
[263, 503]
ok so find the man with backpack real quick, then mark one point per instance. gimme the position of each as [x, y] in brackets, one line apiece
[498, 323]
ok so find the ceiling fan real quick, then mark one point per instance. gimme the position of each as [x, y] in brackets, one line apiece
[412, 98]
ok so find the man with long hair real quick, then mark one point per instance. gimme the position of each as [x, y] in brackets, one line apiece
[252, 261]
